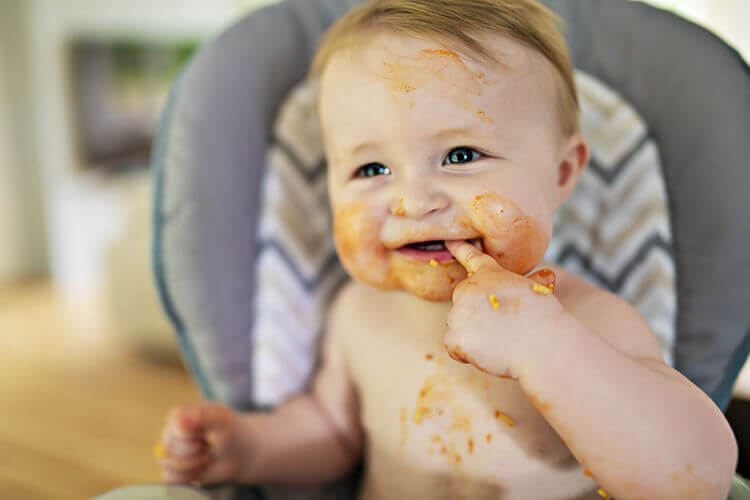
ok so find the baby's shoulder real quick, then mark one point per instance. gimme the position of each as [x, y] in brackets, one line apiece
[610, 316]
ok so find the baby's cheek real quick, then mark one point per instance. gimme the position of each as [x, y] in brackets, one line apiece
[356, 235]
[517, 241]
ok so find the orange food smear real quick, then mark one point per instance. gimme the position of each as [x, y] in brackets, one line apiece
[540, 406]
[471, 445]
[521, 241]
[505, 418]
[489, 437]
[400, 209]
[587, 472]
[428, 356]
[545, 277]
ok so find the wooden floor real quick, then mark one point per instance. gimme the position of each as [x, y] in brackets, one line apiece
[79, 412]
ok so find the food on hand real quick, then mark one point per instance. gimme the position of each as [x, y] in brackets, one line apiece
[545, 277]
[541, 289]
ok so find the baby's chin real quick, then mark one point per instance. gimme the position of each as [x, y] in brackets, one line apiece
[396, 272]
[429, 282]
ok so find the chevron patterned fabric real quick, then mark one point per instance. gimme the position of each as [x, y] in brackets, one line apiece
[613, 231]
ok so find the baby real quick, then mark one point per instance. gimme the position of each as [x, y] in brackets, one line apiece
[451, 133]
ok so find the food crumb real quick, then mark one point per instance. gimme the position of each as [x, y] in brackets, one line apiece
[418, 415]
[428, 356]
[587, 472]
[159, 450]
[489, 437]
[493, 300]
[603, 493]
[471, 445]
[433, 263]
[400, 209]
[541, 289]
[505, 418]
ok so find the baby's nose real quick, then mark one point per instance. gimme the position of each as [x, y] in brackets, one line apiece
[417, 201]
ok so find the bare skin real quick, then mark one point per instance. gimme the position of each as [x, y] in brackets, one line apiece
[462, 375]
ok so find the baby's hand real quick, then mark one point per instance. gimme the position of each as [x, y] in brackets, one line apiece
[200, 443]
[493, 309]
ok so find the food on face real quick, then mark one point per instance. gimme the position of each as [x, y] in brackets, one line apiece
[433, 263]
[400, 209]
[587, 472]
[159, 451]
[541, 289]
[493, 300]
[603, 493]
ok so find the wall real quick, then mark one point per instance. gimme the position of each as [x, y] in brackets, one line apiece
[727, 18]
[23, 249]
[86, 211]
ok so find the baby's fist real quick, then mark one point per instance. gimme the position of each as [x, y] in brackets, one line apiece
[199, 444]
[495, 310]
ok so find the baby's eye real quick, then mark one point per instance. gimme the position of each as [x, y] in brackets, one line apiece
[371, 170]
[462, 154]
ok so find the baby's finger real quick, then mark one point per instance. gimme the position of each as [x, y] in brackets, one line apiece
[470, 257]
[200, 418]
[181, 447]
[180, 423]
[185, 466]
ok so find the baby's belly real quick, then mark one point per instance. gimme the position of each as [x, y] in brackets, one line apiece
[387, 477]
[452, 432]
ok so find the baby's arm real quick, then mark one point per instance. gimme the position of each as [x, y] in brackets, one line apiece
[639, 426]
[310, 439]
[592, 367]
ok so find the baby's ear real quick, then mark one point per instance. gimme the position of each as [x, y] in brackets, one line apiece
[575, 156]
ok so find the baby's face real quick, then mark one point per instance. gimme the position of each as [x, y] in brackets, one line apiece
[425, 145]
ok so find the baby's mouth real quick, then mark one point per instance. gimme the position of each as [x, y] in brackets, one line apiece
[432, 250]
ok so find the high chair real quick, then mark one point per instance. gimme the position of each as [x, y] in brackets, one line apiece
[237, 138]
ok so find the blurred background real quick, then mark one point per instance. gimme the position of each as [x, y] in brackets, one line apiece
[89, 364]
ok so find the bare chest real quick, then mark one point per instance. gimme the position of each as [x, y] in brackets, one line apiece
[436, 425]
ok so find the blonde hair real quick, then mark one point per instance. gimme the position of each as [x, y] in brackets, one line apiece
[451, 22]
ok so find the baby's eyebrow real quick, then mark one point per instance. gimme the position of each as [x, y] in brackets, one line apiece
[440, 134]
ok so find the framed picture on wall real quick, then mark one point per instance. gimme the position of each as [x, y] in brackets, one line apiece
[118, 90]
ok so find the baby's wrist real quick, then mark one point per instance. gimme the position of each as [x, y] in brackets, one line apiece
[551, 337]
[250, 448]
